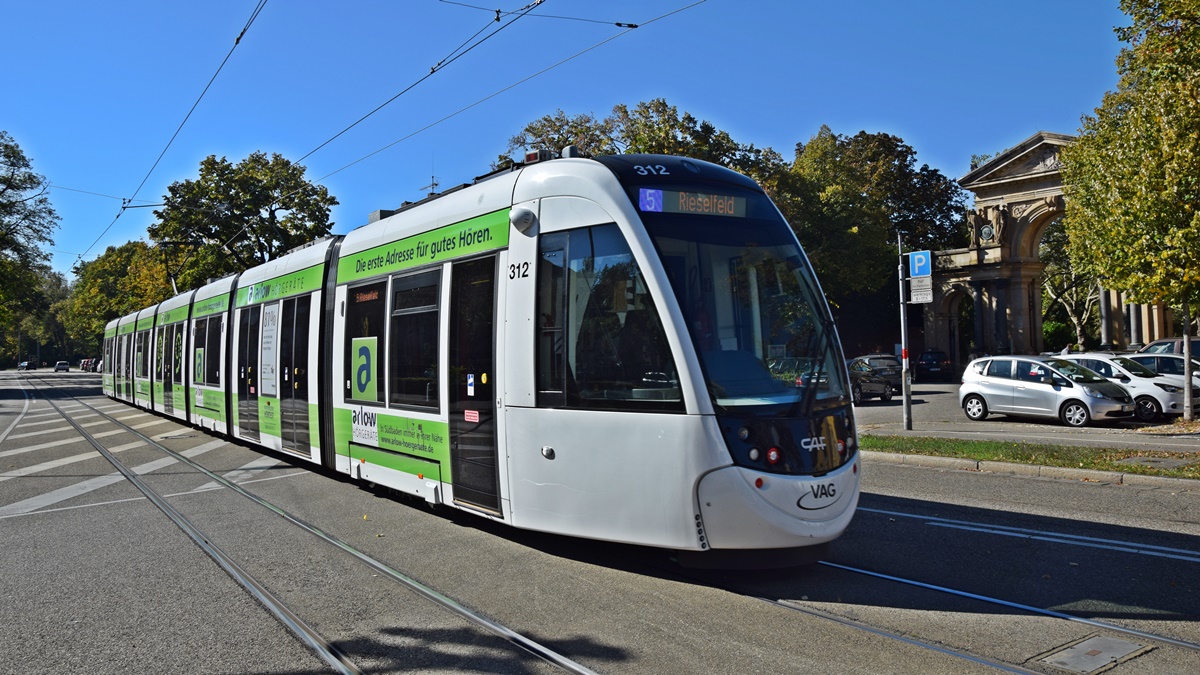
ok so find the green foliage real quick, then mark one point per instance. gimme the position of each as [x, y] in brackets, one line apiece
[1056, 334]
[856, 195]
[846, 197]
[1133, 177]
[1066, 291]
[121, 280]
[26, 221]
[234, 217]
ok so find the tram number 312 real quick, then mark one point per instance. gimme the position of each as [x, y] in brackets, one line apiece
[518, 271]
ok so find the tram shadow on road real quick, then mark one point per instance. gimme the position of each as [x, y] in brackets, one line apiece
[1082, 567]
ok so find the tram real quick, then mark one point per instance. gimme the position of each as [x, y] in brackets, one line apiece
[629, 348]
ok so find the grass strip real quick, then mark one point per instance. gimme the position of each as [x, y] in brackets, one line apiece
[1100, 459]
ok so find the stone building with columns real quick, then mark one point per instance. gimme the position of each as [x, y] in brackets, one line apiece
[1018, 194]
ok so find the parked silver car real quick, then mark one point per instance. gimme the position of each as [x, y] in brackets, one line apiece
[1041, 386]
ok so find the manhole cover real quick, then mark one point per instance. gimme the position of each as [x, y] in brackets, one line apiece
[1157, 462]
[1092, 655]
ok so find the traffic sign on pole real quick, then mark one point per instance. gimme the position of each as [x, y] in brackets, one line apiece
[920, 264]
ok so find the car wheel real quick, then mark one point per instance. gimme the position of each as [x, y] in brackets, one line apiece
[856, 394]
[887, 393]
[975, 408]
[1147, 410]
[1075, 414]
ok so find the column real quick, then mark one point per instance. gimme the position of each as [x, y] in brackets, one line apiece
[1105, 318]
[1003, 340]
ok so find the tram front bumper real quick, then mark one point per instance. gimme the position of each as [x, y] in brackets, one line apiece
[740, 512]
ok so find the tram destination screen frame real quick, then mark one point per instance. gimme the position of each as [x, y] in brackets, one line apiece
[656, 200]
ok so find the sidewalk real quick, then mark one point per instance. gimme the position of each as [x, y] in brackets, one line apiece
[1033, 470]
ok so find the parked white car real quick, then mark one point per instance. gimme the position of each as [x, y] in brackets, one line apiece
[1041, 386]
[1166, 364]
[1155, 394]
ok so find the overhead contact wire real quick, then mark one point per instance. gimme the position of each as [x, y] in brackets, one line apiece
[125, 202]
[436, 68]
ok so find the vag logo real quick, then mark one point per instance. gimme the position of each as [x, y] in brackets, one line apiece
[818, 496]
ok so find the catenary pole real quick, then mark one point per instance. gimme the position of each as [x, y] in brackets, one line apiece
[905, 380]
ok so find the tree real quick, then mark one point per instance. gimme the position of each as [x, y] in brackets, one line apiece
[846, 197]
[121, 280]
[1133, 177]
[234, 217]
[1072, 292]
[26, 221]
[854, 196]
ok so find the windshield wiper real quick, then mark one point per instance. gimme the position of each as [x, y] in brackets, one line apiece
[809, 398]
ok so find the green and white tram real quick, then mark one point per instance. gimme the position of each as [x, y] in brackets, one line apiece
[630, 348]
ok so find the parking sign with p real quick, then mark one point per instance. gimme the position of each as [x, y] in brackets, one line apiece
[920, 264]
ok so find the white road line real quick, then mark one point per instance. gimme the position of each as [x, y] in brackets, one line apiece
[54, 421]
[24, 411]
[55, 430]
[92, 484]
[55, 444]
[243, 473]
[54, 464]
[1043, 535]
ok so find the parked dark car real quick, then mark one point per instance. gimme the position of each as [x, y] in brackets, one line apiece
[27, 365]
[885, 366]
[865, 383]
[934, 366]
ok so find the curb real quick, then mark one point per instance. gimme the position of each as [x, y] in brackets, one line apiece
[1032, 470]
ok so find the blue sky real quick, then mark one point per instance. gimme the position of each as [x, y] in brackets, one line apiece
[94, 91]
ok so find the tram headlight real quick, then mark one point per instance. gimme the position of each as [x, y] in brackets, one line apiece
[743, 434]
[774, 455]
[754, 454]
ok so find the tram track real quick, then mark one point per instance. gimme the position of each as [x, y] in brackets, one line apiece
[330, 654]
[815, 610]
[1099, 627]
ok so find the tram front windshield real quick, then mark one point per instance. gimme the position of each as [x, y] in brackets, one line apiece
[761, 330]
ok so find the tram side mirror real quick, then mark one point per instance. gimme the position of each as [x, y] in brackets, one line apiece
[522, 219]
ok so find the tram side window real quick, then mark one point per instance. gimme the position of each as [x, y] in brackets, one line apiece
[199, 330]
[206, 350]
[601, 342]
[365, 312]
[143, 355]
[413, 340]
[212, 347]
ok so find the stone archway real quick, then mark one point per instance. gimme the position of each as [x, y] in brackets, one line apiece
[1017, 195]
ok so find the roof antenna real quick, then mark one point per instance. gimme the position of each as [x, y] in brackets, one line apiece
[433, 181]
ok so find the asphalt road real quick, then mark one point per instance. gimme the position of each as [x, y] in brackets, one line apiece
[935, 412]
[94, 579]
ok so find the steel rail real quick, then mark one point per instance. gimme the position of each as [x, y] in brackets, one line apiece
[1016, 605]
[327, 652]
[535, 648]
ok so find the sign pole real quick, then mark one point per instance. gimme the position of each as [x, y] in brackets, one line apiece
[906, 383]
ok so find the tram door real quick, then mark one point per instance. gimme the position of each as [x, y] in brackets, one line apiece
[472, 374]
[166, 366]
[247, 359]
[293, 362]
